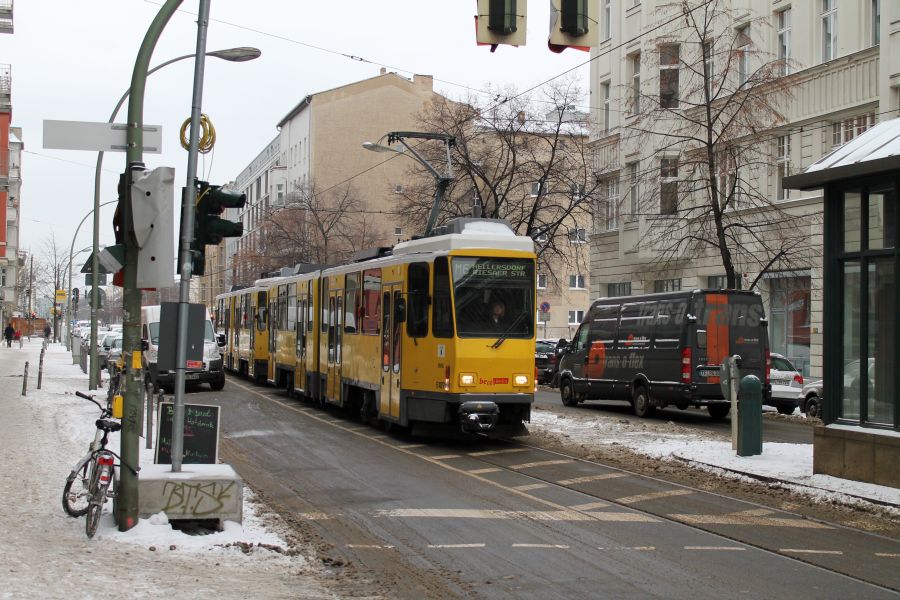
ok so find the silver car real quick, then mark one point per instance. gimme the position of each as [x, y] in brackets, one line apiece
[786, 384]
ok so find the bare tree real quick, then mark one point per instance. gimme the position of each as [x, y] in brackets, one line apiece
[520, 157]
[711, 126]
[49, 276]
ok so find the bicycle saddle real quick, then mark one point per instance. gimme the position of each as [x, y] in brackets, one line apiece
[108, 425]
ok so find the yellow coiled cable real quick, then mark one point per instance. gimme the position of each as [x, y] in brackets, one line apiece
[207, 135]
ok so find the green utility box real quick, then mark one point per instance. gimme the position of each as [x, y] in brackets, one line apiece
[749, 442]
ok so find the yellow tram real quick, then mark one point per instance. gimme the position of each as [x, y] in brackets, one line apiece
[439, 331]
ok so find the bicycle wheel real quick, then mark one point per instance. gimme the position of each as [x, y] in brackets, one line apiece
[76, 496]
[93, 518]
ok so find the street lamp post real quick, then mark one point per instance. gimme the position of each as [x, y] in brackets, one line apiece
[442, 181]
[69, 303]
[239, 54]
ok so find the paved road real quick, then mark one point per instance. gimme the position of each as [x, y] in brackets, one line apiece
[789, 430]
[496, 520]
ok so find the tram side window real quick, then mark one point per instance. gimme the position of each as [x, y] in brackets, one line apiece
[324, 304]
[291, 308]
[261, 311]
[417, 311]
[351, 291]
[371, 301]
[386, 332]
[442, 311]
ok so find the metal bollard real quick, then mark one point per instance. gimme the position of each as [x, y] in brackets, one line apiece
[148, 393]
[750, 416]
[25, 379]
[40, 370]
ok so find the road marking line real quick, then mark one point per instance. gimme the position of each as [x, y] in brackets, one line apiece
[456, 545]
[534, 515]
[638, 548]
[555, 546]
[739, 548]
[590, 478]
[530, 486]
[540, 463]
[359, 428]
[805, 551]
[887, 555]
[653, 496]
[590, 506]
[250, 433]
[483, 471]
[743, 519]
[494, 452]
[369, 546]
[445, 456]
[314, 516]
[410, 446]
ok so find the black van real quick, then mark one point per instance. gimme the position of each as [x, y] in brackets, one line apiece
[665, 349]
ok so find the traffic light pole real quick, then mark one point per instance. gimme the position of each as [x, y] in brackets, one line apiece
[127, 504]
[188, 202]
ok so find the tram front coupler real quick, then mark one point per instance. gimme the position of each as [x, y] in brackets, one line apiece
[476, 416]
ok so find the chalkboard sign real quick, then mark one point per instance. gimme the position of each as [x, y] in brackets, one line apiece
[201, 434]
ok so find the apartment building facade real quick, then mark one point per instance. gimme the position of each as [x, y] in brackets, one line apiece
[11, 147]
[836, 68]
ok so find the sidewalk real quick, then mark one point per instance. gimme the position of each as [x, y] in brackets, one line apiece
[788, 464]
[46, 554]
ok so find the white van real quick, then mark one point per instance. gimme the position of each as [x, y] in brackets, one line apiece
[210, 371]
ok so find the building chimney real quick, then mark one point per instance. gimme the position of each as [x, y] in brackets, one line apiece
[521, 117]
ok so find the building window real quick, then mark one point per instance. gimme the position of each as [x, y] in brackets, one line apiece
[542, 281]
[398, 189]
[829, 30]
[576, 282]
[667, 285]
[398, 231]
[541, 238]
[577, 192]
[604, 95]
[708, 50]
[635, 61]
[619, 289]
[576, 317]
[633, 188]
[789, 318]
[612, 204]
[606, 20]
[743, 46]
[783, 21]
[538, 188]
[3, 277]
[844, 131]
[668, 76]
[717, 282]
[876, 22]
[542, 317]
[729, 181]
[783, 165]
[668, 186]
[578, 235]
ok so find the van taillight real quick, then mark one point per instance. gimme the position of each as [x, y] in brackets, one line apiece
[768, 365]
[685, 365]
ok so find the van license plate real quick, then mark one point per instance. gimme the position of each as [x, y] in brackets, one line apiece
[708, 372]
[189, 376]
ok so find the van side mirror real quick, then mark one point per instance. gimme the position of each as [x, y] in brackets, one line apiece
[220, 339]
[145, 345]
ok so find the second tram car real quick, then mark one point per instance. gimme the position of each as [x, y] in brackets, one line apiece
[441, 331]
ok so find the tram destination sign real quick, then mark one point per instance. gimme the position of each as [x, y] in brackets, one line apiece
[490, 269]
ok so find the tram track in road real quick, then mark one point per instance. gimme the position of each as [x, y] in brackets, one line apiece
[549, 479]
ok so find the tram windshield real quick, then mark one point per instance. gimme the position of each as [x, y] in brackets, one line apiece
[494, 297]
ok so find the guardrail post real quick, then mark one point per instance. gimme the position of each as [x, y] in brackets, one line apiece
[25, 379]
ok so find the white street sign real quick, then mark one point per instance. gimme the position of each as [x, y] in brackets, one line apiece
[97, 137]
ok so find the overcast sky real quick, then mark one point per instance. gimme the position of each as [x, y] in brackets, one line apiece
[73, 60]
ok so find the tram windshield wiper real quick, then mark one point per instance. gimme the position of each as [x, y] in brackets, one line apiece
[508, 331]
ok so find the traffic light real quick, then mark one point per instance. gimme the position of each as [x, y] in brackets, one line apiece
[75, 295]
[209, 227]
[500, 22]
[570, 25]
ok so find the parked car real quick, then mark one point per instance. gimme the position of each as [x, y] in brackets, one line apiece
[104, 346]
[546, 359]
[786, 384]
[657, 350]
[810, 399]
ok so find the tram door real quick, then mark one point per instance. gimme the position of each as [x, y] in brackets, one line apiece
[274, 322]
[335, 342]
[302, 312]
[392, 307]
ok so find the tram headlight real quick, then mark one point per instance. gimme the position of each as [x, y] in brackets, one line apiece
[520, 380]
[466, 379]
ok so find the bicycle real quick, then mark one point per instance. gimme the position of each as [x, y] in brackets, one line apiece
[93, 479]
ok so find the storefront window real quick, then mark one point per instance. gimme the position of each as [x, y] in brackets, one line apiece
[882, 219]
[851, 336]
[879, 380]
[852, 221]
[789, 319]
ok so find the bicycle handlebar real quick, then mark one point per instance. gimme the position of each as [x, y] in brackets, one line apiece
[83, 395]
[91, 398]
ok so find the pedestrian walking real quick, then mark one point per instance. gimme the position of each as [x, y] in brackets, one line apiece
[8, 334]
[18, 337]
[47, 332]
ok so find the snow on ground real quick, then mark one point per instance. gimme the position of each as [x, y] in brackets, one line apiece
[791, 463]
[46, 553]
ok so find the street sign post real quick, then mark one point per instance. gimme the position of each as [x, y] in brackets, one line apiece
[60, 296]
